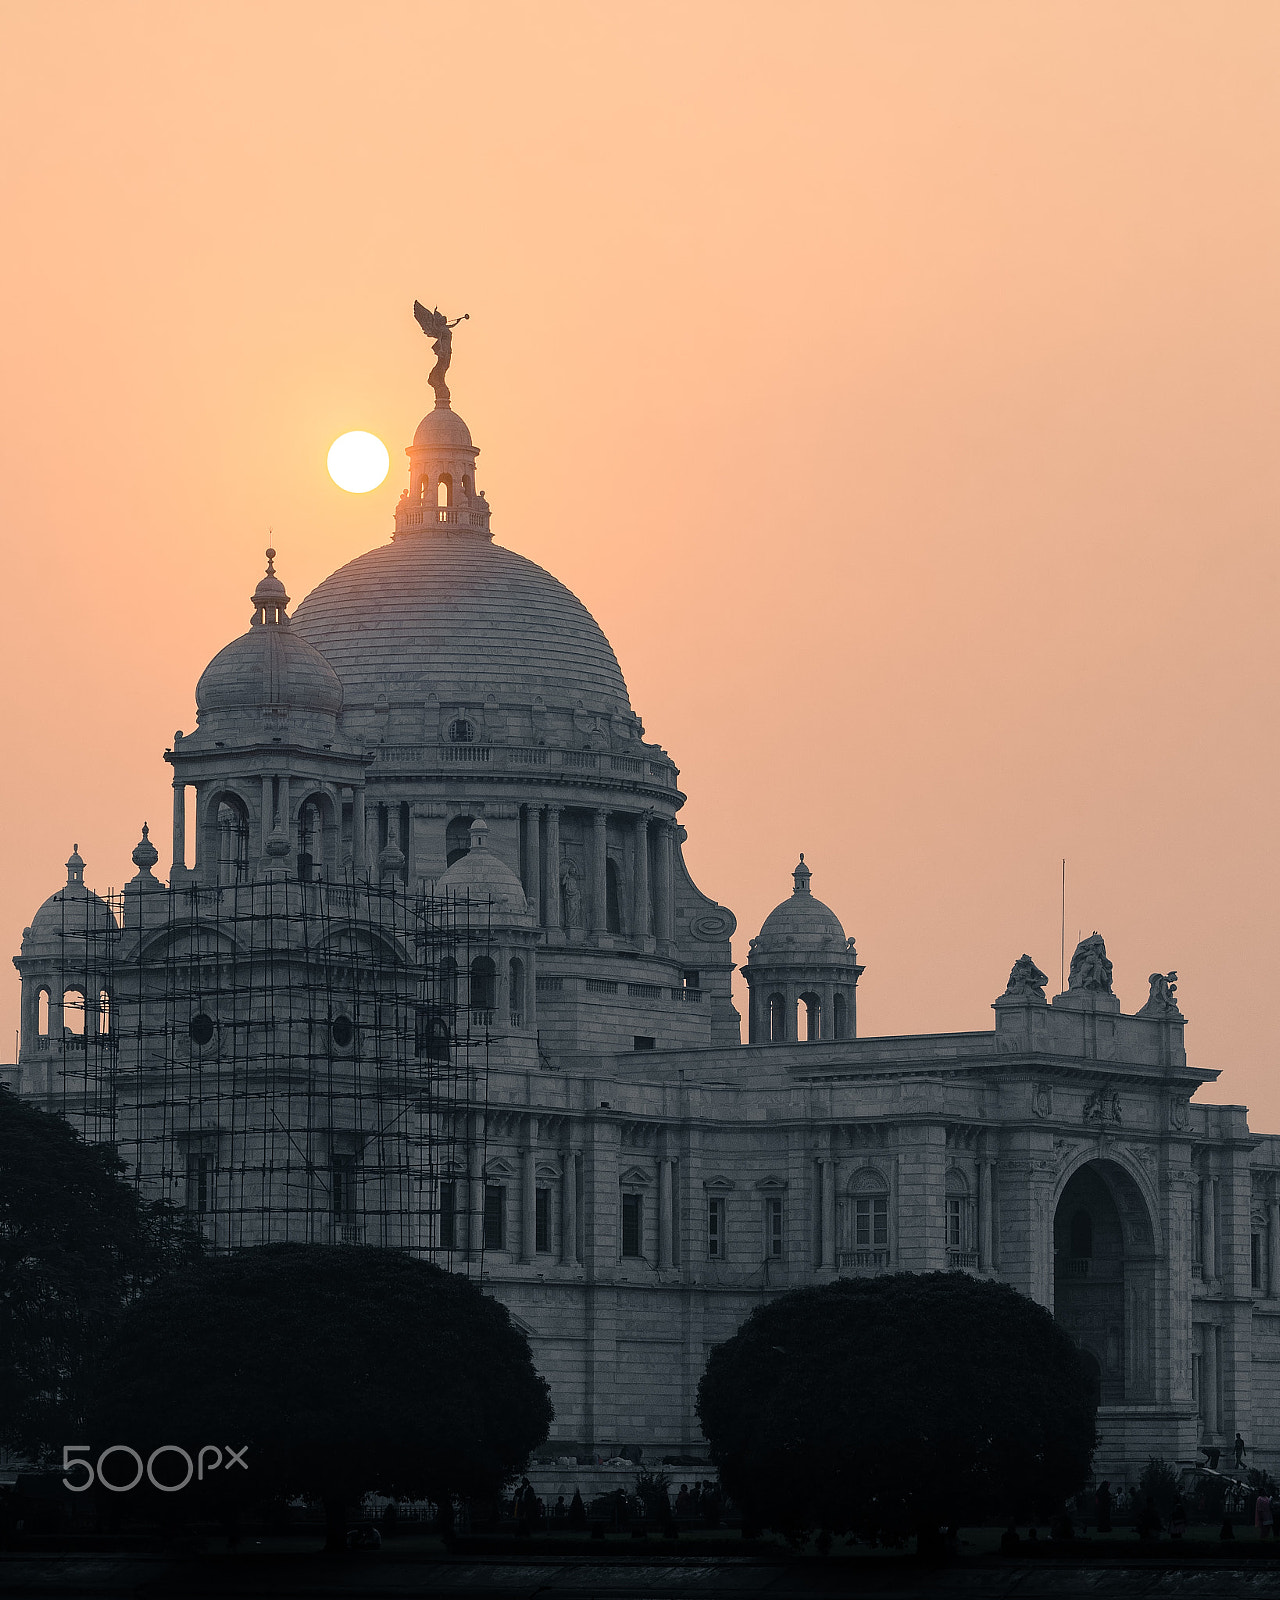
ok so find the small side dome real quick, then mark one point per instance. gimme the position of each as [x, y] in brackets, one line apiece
[271, 666]
[481, 876]
[442, 429]
[73, 912]
[800, 925]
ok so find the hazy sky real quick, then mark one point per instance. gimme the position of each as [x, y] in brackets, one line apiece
[896, 383]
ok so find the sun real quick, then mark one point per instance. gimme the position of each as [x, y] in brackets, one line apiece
[358, 462]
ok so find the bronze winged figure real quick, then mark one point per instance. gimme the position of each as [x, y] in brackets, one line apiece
[439, 330]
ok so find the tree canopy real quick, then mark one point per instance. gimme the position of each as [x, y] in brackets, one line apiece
[343, 1369]
[76, 1244]
[883, 1407]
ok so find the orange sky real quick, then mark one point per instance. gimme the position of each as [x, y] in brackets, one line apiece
[896, 383]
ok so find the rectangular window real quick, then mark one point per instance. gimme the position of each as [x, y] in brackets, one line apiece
[542, 1221]
[495, 1216]
[449, 1215]
[199, 1184]
[342, 1187]
[955, 1224]
[632, 1218]
[692, 980]
[871, 1222]
[773, 1229]
[644, 1041]
[715, 1230]
[1255, 1260]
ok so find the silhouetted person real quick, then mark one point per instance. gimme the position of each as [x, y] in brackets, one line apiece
[577, 1511]
[1263, 1515]
[684, 1502]
[1147, 1522]
[1239, 1449]
[559, 1511]
[1102, 1499]
[1177, 1518]
[1010, 1540]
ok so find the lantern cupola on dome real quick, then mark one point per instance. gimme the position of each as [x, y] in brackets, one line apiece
[802, 971]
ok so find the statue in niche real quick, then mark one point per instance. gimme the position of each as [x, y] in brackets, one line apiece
[439, 330]
[1090, 968]
[570, 896]
[1026, 982]
[1161, 1001]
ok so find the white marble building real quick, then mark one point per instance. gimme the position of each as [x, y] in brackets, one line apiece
[442, 716]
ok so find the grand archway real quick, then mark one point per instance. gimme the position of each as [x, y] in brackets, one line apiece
[1104, 1276]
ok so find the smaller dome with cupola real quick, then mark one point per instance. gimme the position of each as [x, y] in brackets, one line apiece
[270, 668]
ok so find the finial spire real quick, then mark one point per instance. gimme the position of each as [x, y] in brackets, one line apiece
[269, 598]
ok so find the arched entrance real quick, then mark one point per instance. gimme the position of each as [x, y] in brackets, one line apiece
[1104, 1276]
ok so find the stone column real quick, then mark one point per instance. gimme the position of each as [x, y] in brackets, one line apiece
[475, 1186]
[286, 827]
[569, 1207]
[986, 1172]
[664, 1211]
[599, 871]
[359, 851]
[827, 995]
[533, 859]
[528, 1193]
[828, 1168]
[640, 914]
[179, 825]
[1208, 1205]
[1273, 1244]
[1209, 1378]
[553, 867]
[666, 910]
[268, 815]
[502, 987]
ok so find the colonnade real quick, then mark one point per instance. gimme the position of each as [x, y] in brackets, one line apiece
[651, 908]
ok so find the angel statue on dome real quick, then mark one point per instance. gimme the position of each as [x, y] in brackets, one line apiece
[439, 330]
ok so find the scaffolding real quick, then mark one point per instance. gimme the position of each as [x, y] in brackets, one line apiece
[286, 1059]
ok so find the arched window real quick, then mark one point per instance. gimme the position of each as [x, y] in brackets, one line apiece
[812, 1016]
[1081, 1235]
[840, 1016]
[959, 1223]
[42, 1013]
[104, 1011]
[457, 839]
[233, 840]
[431, 1035]
[466, 486]
[448, 982]
[313, 826]
[484, 983]
[462, 731]
[612, 899]
[423, 485]
[73, 1012]
[777, 1018]
[444, 490]
[516, 976]
[869, 1218]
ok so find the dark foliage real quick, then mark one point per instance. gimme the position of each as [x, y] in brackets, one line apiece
[343, 1370]
[1161, 1483]
[76, 1245]
[890, 1406]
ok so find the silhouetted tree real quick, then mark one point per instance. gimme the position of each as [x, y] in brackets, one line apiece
[343, 1370]
[883, 1407]
[76, 1244]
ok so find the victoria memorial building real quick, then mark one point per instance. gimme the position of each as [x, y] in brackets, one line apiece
[426, 968]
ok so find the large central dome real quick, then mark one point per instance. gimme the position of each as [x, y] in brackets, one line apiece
[457, 615]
